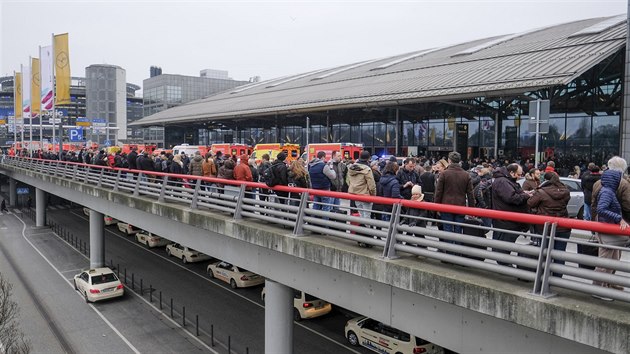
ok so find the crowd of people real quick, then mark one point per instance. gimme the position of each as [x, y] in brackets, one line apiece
[487, 184]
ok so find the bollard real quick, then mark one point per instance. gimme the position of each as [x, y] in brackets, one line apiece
[160, 299]
[125, 275]
[171, 307]
[197, 325]
[141, 290]
[150, 293]
[183, 316]
[212, 335]
[80, 244]
[229, 344]
[246, 350]
[132, 282]
[111, 262]
[118, 270]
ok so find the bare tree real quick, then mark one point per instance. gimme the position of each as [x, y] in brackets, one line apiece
[11, 337]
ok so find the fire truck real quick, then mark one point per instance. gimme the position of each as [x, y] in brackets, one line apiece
[349, 151]
[232, 149]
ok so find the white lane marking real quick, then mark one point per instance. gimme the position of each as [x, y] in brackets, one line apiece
[168, 259]
[68, 282]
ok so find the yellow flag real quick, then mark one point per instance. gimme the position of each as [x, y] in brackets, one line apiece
[35, 88]
[62, 69]
[17, 99]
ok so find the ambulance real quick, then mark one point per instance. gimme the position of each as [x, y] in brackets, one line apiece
[349, 151]
[232, 149]
[273, 149]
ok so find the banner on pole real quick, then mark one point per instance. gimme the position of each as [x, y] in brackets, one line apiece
[62, 69]
[46, 81]
[17, 100]
[35, 87]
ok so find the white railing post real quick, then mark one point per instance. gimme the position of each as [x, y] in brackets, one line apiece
[239, 203]
[193, 203]
[389, 252]
[163, 189]
[298, 230]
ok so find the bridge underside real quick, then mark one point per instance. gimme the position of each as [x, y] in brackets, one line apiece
[462, 309]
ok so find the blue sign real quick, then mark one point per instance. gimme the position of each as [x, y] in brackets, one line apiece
[22, 190]
[98, 120]
[76, 134]
[108, 143]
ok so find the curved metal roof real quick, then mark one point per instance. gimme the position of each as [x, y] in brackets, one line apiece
[506, 64]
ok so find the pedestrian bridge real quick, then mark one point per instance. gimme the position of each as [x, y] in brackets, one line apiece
[443, 287]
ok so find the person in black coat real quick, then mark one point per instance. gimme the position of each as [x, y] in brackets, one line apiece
[131, 158]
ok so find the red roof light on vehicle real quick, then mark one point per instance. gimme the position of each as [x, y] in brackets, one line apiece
[94, 291]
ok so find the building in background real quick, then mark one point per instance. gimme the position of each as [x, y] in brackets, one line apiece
[106, 102]
[164, 91]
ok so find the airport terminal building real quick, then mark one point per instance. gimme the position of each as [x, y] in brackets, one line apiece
[473, 97]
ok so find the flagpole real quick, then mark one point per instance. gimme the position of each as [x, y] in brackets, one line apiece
[54, 97]
[41, 109]
[14, 112]
[22, 130]
[30, 118]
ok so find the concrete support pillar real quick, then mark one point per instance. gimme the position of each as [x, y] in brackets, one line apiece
[278, 318]
[97, 242]
[40, 208]
[12, 192]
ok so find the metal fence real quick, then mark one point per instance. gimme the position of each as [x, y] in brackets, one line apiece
[309, 211]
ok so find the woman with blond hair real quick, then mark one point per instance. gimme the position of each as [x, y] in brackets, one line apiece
[298, 177]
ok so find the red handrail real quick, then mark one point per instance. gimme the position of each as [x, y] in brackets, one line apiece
[612, 229]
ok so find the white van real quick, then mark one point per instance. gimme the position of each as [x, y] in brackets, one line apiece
[189, 150]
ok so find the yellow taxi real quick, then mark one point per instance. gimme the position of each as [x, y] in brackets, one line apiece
[305, 305]
[186, 254]
[98, 284]
[381, 338]
[235, 276]
[151, 240]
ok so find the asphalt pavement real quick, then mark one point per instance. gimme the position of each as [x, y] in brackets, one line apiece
[56, 319]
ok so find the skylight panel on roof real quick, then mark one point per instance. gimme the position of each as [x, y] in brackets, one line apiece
[600, 26]
[403, 59]
[488, 44]
[293, 78]
[345, 68]
[247, 87]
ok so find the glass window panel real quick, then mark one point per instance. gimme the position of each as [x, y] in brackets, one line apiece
[605, 138]
[380, 134]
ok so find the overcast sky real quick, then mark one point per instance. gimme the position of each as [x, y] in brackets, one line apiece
[265, 38]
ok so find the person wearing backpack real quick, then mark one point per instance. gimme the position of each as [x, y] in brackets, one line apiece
[279, 176]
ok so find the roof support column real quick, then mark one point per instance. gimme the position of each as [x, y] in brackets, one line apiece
[40, 207]
[496, 135]
[97, 242]
[397, 132]
[625, 114]
[12, 192]
[278, 318]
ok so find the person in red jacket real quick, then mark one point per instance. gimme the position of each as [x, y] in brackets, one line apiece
[242, 172]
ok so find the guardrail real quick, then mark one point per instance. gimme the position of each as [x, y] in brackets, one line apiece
[396, 231]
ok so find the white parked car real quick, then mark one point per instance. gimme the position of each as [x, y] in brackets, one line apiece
[186, 254]
[127, 228]
[108, 220]
[98, 284]
[378, 337]
[306, 305]
[233, 275]
[150, 239]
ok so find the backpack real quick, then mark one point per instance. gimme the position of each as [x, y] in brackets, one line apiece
[269, 177]
[483, 194]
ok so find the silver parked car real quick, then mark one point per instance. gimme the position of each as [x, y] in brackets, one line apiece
[576, 203]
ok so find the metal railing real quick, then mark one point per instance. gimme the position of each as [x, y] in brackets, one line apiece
[311, 211]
